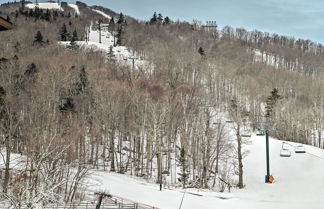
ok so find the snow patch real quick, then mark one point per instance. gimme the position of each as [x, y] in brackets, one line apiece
[102, 13]
[45, 5]
[75, 7]
[120, 53]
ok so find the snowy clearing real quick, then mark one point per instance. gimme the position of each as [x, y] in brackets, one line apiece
[298, 183]
[121, 53]
[45, 5]
[102, 13]
[75, 7]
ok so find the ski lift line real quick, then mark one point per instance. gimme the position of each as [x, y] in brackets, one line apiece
[294, 146]
[182, 198]
[315, 156]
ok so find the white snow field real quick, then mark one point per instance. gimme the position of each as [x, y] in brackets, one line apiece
[122, 54]
[299, 183]
[75, 7]
[45, 5]
[102, 13]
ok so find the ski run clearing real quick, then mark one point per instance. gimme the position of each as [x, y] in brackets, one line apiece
[52, 6]
[298, 183]
[45, 5]
[102, 13]
[75, 7]
[298, 180]
[120, 53]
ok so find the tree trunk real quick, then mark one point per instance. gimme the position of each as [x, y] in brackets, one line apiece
[7, 165]
[240, 158]
[112, 151]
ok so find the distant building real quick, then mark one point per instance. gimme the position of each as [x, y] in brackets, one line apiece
[5, 25]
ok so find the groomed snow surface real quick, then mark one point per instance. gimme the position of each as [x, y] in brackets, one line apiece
[121, 53]
[45, 5]
[101, 13]
[299, 183]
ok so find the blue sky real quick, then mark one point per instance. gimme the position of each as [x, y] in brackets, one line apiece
[298, 18]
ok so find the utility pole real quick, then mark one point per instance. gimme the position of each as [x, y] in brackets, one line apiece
[267, 129]
[133, 60]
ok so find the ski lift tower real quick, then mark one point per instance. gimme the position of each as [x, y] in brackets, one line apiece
[267, 127]
[211, 26]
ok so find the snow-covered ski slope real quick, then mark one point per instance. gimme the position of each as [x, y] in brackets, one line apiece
[52, 5]
[122, 54]
[102, 13]
[45, 5]
[75, 7]
[299, 183]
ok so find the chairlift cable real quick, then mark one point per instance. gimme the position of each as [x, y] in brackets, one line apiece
[182, 198]
[315, 156]
[306, 152]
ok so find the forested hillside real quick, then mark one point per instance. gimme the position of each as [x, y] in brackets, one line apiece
[181, 119]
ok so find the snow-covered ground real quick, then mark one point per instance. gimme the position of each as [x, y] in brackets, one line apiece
[121, 53]
[45, 5]
[75, 7]
[102, 13]
[298, 183]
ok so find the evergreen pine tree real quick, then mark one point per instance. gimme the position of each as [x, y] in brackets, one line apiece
[38, 38]
[166, 21]
[67, 105]
[111, 52]
[31, 13]
[121, 19]
[201, 51]
[153, 19]
[80, 86]
[119, 36]
[271, 101]
[31, 70]
[74, 36]
[8, 18]
[184, 172]
[47, 15]
[73, 44]
[55, 15]
[64, 34]
[83, 78]
[112, 25]
[160, 19]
